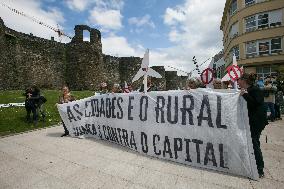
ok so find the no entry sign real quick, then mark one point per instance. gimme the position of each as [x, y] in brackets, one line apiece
[234, 72]
[207, 76]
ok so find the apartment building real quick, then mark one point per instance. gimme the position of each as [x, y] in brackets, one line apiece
[253, 30]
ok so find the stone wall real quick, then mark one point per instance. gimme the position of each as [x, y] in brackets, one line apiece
[27, 60]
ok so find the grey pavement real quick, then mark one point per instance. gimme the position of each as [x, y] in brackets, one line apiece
[43, 159]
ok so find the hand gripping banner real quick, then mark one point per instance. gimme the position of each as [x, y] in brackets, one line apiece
[202, 128]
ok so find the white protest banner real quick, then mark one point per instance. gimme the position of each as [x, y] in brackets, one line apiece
[203, 128]
[12, 105]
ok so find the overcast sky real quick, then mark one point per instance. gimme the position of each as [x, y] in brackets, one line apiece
[173, 30]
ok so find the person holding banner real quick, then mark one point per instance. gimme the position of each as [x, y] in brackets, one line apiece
[116, 88]
[256, 113]
[65, 97]
[192, 83]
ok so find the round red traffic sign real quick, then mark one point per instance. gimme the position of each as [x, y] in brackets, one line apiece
[207, 76]
[237, 72]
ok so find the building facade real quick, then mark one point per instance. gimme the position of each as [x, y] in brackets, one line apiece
[253, 31]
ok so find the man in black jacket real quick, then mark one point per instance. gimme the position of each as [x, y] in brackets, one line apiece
[256, 113]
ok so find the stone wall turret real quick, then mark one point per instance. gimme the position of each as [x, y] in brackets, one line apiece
[84, 69]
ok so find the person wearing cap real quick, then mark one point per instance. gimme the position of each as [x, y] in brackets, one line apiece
[256, 113]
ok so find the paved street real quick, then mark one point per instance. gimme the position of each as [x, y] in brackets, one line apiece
[43, 159]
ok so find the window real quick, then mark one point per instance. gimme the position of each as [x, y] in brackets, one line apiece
[249, 2]
[234, 30]
[263, 20]
[236, 51]
[275, 18]
[251, 49]
[233, 7]
[86, 35]
[250, 24]
[276, 45]
[263, 72]
[263, 47]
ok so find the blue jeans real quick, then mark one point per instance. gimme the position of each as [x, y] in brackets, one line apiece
[270, 105]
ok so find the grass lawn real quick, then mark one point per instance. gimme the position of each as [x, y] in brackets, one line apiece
[13, 119]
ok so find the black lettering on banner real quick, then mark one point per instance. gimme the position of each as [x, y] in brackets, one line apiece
[80, 131]
[160, 109]
[113, 107]
[104, 130]
[118, 130]
[130, 107]
[177, 146]
[114, 134]
[70, 114]
[125, 137]
[144, 142]
[187, 110]
[88, 128]
[169, 110]
[145, 109]
[218, 118]
[77, 111]
[221, 151]
[102, 108]
[86, 108]
[210, 152]
[83, 129]
[108, 108]
[205, 101]
[167, 147]
[109, 133]
[197, 142]
[154, 144]
[187, 141]
[119, 114]
[132, 140]
[75, 132]
[95, 107]
[100, 133]
[94, 130]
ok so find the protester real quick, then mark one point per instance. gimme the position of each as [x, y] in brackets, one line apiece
[259, 82]
[65, 97]
[269, 97]
[192, 83]
[278, 102]
[116, 88]
[29, 105]
[217, 84]
[127, 88]
[103, 88]
[256, 113]
[34, 103]
[150, 86]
